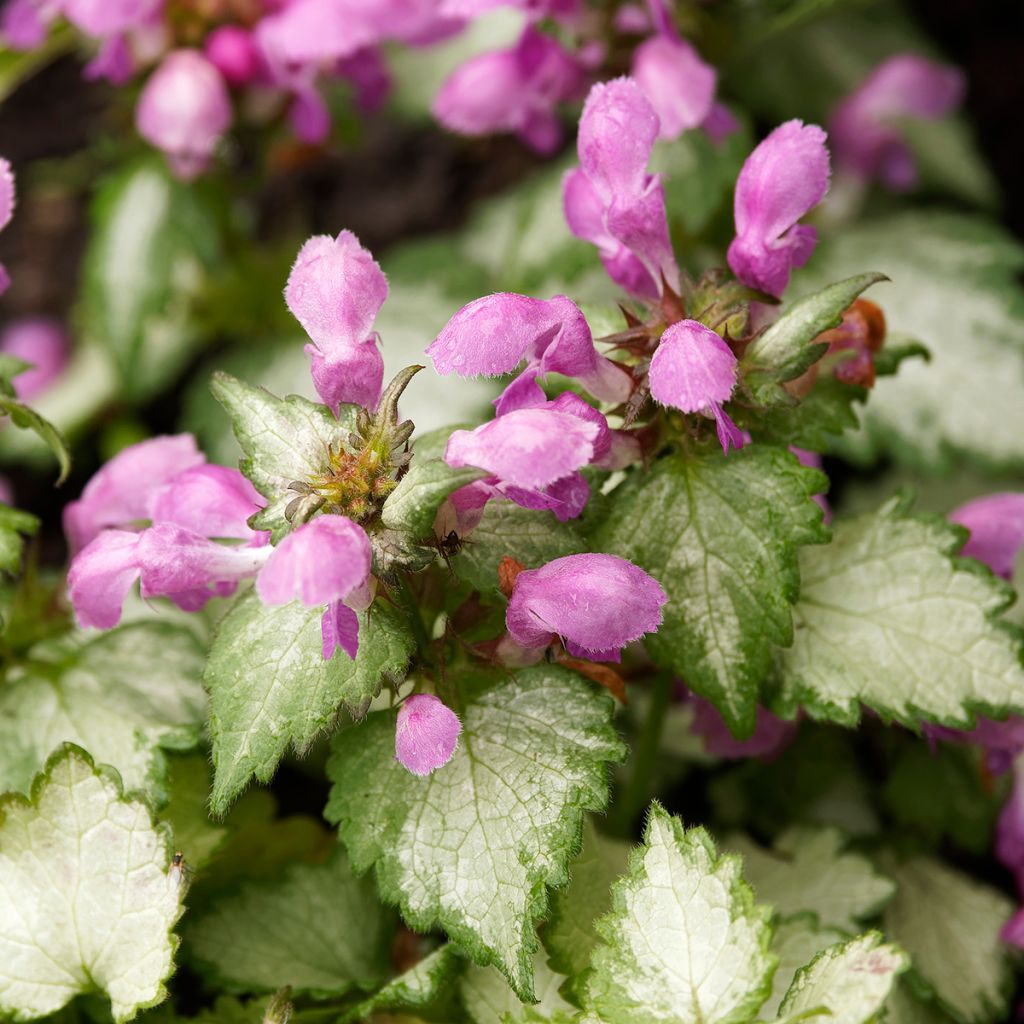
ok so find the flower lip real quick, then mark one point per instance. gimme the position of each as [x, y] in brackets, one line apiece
[426, 734]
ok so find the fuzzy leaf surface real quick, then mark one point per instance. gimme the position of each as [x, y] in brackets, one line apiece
[529, 536]
[849, 981]
[808, 871]
[888, 618]
[270, 686]
[684, 942]
[787, 348]
[955, 287]
[473, 847]
[284, 440]
[722, 536]
[949, 924]
[124, 696]
[317, 928]
[86, 900]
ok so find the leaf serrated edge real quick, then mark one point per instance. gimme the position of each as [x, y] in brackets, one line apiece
[900, 507]
[566, 834]
[106, 774]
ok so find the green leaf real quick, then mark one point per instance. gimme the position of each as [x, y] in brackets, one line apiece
[949, 924]
[318, 929]
[808, 871]
[905, 1006]
[848, 983]
[419, 988]
[529, 536]
[787, 348]
[14, 524]
[28, 419]
[270, 686]
[152, 242]
[721, 535]
[953, 277]
[87, 898]
[284, 440]
[10, 367]
[124, 696]
[413, 504]
[489, 1000]
[796, 942]
[570, 933]
[197, 837]
[472, 847]
[684, 943]
[887, 618]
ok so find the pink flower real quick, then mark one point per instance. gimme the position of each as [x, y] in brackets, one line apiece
[335, 290]
[6, 211]
[680, 86]
[596, 603]
[25, 23]
[184, 109]
[864, 127]
[771, 734]
[111, 21]
[492, 335]
[611, 200]
[996, 523]
[326, 561]
[122, 492]
[40, 342]
[515, 90]
[232, 50]
[785, 176]
[214, 501]
[426, 734]
[533, 455]
[694, 370]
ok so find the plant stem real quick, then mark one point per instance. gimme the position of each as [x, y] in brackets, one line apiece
[636, 790]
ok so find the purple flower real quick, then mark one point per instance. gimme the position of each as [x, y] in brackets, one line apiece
[785, 176]
[122, 492]
[492, 335]
[110, 21]
[533, 455]
[611, 200]
[335, 290]
[42, 343]
[367, 73]
[426, 733]
[694, 370]
[996, 523]
[1013, 931]
[183, 110]
[6, 211]
[24, 23]
[326, 561]
[596, 603]
[175, 557]
[865, 126]
[771, 734]
[232, 50]
[680, 86]
[515, 90]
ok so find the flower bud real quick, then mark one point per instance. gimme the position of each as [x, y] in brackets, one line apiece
[183, 110]
[232, 51]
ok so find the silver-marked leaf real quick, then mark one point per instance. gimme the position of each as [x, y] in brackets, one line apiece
[949, 923]
[808, 871]
[722, 537]
[473, 846]
[317, 928]
[848, 983]
[123, 696]
[413, 504]
[489, 999]
[887, 618]
[270, 687]
[88, 897]
[684, 942]
[284, 440]
[796, 942]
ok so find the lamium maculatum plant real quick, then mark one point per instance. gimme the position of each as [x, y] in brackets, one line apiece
[597, 704]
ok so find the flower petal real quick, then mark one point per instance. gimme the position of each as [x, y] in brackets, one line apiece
[996, 523]
[339, 628]
[426, 734]
[101, 576]
[212, 501]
